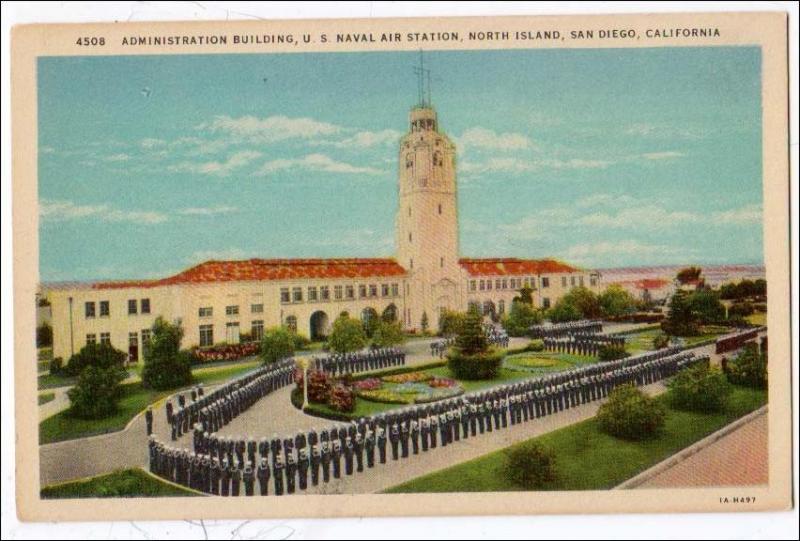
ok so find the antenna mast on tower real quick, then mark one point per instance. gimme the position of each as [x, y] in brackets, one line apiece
[423, 76]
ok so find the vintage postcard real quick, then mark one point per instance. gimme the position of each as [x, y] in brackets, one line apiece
[510, 265]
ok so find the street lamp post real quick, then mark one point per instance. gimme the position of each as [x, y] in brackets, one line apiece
[303, 362]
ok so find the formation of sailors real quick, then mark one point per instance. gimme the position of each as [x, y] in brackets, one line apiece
[230, 466]
[495, 335]
[440, 347]
[582, 344]
[736, 341]
[216, 409]
[556, 330]
[362, 361]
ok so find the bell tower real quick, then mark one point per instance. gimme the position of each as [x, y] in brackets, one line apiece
[427, 217]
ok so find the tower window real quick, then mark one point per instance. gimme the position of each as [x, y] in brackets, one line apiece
[440, 208]
[441, 262]
[409, 237]
[409, 211]
[411, 263]
[409, 162]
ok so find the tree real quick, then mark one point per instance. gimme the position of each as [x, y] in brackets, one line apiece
[706, 306]
[472, 340]
[681, 320]
[471, 358]
[520, 318]
[616, 301]
[749, 368]
[689, 275]
[579, 303]
[450, 322]
[165, 365]
[277, 344]
[610, 352]
[44, 335]
[530, 465]
[347, 335]
[423, 323]
[97, 392]
[97, 355]
[563, 311]
[388, 334]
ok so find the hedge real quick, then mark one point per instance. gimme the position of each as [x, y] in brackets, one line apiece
[475, 367]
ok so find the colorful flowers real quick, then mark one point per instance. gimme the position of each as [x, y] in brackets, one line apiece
[369, 384]
[442, 382]
[408, 377]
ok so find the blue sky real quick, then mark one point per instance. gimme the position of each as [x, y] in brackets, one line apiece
[603, 158]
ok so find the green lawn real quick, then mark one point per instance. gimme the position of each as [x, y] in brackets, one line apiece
[51, 381]
[131, 483]
[641, 341]
[44, 398]
[588, 459]
[758, 318]
[543, 362]
[135, 398]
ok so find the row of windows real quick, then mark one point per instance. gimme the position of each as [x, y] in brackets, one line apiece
[230, 310]
[518, 283]
[488, 306]
[134, 307]
[232, 334]
[133, 338]
[323, 293]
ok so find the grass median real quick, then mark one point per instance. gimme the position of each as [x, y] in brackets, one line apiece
[131, 483]
[588, 459]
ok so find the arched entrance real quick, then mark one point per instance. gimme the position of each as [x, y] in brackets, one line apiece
[390, 314]
[369, 319]
[319, 325]
[490, 310]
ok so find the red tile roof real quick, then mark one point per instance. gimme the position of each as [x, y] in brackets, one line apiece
[513, 265]
[255, 270]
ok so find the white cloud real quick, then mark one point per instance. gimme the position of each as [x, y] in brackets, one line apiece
[749, 214]
[603, 199]
[219, 255]
[315, 162]
[489, 139]
[61, 211]
[151, 142]
[639, 216]
[270, 129]
[367, 139]
[666, 155]
[121, 157]
[521, 165]
[207, 211]
[217, 168]
[598, 251]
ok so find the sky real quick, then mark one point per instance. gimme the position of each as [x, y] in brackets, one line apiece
[602, 157]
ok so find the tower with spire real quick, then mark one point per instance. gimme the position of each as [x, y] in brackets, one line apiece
[427, 215]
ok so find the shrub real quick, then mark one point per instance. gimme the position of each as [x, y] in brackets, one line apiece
[342, 399]
[535, 345]
[630, 414]
[347, 335]
[56, 366]
[484, 365]
[700, 388]
[681, 320]
[450, 322]
[530, 465]
[741, 309]
[616, 301]
[277, 344]
[97, 392]
[44, 335]
[424, 322]
[749, 368]
[319, 385]
[97, 355]
[661, 341]
[301, 341]
[520, 318]
[388, 334]
[165, 365]
[612, 353]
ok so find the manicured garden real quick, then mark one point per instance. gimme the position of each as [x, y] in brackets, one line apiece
[131, 483]
[542, 362]
[44, 398]
[134, 398]
[586, 457]
[642, 340]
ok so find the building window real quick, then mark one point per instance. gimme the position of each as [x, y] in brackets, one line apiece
[505, 284]
[89, 309]
[592, 281]
[384, 290]
[501, 307]
[482, 285]
[232, 332]
[104, 309]
[546, 302]
[133, 347]
[132, 307]
[409, 211]
[257, 330]
[527, 282]
[205, 311]
[297, 294]
[362, 291]
[411, 263]
[337, 293]
[489, 285]
[441, 262]
[440, 208]
[145, 337]
[256, 308]
[324, 293]
[145, 306]
[373, 290]
[350, 292]
[105, 338]
[206, 335]
[91, 339]
[312, 294]
[572, 281]
[580, 281]
[409, 237]
[284, 295]
[498, 283]
[232, 310]
[545, 281]
[291, 323]
[395, 290]
[563, 281]
[472, 285]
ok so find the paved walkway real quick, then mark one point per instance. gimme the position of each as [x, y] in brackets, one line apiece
[737, 459]
[59, 403]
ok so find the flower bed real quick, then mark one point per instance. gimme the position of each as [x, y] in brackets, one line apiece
[369, 384]
[409, 377]
[410, 392]
[227, 352]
